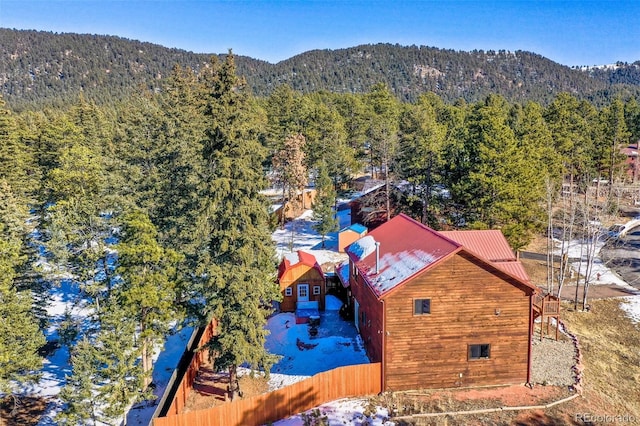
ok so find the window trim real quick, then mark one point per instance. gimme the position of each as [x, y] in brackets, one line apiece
[319, 290]
[418, 314]
[479, 358]
[288, 292]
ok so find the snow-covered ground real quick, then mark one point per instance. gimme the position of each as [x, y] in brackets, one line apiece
[343, 412]
[577, 249]
[298, 234]
[65, 297]
[601, 275]
[631, 306]
[337, 344]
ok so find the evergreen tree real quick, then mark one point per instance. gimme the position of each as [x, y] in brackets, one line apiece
[79, 392]
[20, 337]
[16, 161]
[323, 206]
[179, 161]
[76, 223]
[615, 136]
[147, 292]
[420, 158]
[326, 139]
[570, 126]
[382, 134]
[239, 262]
[495, 192]
[122, 378]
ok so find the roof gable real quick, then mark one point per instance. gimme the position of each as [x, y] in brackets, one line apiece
[491, 245]
[295, 259]
[406, 248]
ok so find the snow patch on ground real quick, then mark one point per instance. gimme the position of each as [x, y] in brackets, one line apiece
[578, 249]
[343, 412]
[631, 305]
[298, 234]
[301, 356]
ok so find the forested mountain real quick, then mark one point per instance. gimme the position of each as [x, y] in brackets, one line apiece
[149, 200]
[48, 68]
[620, 73]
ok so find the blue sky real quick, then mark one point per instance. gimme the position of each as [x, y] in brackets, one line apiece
[570, 32]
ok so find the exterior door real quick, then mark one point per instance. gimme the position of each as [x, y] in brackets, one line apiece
[303, 292]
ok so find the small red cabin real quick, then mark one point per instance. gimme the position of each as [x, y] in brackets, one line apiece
[437, 314]
[301, 280]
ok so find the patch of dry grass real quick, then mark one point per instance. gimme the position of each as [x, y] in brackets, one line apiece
[610, 345]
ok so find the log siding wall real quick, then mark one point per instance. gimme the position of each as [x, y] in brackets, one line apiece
[371, 329]
[469, 305]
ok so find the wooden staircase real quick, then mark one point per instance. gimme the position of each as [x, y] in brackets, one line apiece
[546, 307]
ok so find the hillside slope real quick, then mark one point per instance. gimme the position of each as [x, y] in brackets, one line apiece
[47, 68]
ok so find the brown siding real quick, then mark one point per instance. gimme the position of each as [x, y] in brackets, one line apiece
[300, 274]
[430, 351]
[371, 329]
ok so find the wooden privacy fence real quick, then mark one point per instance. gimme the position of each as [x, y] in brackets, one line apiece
[341, 382]
[186, 384]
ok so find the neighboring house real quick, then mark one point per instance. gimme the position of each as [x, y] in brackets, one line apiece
[292, 209]
[631, 162]
[350, 234]
[301, 280]
[369, 207]
[441, 311]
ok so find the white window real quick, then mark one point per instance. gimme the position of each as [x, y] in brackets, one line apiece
[316, 290]
[288, 291]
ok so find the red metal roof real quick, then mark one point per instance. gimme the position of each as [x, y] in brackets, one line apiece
[489, 244]
[406, 248]
[514, 268]
[493, 246]
[291, 260]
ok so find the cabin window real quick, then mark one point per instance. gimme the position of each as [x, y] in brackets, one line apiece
[421, 306]
[316, 290]
[480, 351]
[288, 291]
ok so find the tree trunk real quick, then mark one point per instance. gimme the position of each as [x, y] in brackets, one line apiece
[234, 387]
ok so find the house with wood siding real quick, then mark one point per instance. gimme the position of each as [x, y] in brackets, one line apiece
[301, 279]
[441, 310]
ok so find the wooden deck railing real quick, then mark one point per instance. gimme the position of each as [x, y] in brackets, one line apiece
[546, 307]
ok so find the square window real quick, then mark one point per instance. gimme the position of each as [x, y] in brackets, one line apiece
[480, 351]
[288, 291]
[316, 290]
[421, 306]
